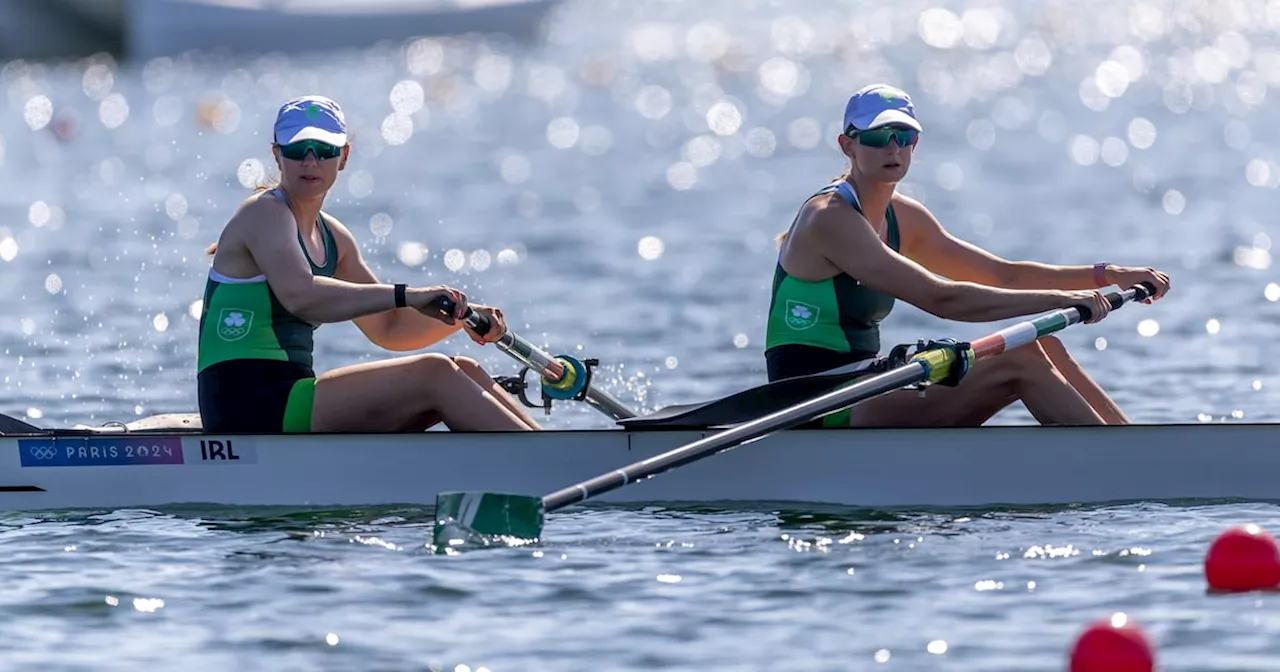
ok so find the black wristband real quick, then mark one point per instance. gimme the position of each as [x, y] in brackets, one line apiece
[400, 300]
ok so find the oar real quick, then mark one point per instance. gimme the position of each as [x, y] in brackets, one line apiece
[493, 514]
[563, 377]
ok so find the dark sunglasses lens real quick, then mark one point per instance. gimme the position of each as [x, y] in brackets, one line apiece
[298, 150]
[880, 137]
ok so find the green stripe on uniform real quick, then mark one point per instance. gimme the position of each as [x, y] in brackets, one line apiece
[297, 411]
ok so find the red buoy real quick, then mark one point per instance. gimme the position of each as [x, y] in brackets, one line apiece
[1243, 558]
[1114, 644]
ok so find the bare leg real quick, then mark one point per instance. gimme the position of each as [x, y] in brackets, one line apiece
[406, 394]
[1083, 382]
[1024, 374]
[473, 370]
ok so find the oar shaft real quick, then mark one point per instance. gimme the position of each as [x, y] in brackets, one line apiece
[930, 365]
[913, 372]
[525, 352]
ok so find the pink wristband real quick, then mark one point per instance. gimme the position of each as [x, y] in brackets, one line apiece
[1100, 274]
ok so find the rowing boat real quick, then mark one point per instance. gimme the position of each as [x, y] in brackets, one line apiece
[169, 460]
[152, 464]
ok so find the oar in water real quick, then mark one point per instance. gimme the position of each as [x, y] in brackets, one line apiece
[516, 516]
[563, 377]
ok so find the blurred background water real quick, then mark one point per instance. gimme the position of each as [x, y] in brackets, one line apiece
[613, 179]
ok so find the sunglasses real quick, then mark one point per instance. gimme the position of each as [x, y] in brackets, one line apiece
[297, 151]
[880, 137]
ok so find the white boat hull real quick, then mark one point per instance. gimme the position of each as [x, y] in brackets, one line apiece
[986, 466]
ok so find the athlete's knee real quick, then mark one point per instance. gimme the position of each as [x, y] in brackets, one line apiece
[467, 364]
[1009, 370]
[1030, 357]
[434, 364]
[1057, 351]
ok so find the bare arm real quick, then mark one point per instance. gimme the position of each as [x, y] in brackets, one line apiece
[853, 247]
[936, 249]
[397, 329]
[271, 237]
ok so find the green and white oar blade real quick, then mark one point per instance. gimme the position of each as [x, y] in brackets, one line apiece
[486, 519]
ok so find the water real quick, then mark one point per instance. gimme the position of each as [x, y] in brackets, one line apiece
[616, 189]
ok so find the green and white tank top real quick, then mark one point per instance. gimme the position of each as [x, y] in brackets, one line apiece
[840, 313]
[242, 319]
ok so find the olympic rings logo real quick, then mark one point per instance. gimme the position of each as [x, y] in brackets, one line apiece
[43, 452]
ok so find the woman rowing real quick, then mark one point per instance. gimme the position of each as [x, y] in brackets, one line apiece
[282, 267]
[857, 245]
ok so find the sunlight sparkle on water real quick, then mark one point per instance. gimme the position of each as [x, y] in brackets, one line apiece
[8, 248]
[1100, 343]
[563, 132]
[1212, 326]
[397, 128]
[653, 102]
[508, 257]
[250, 173]
[651, 248]
[1114, 152]
[113, 111]
[407, 96]
[1148, 328]
[1256, 258]
[1142, 133]
[724, 118]
[380, 224]
[761, 142]
[331, 639]
[740, 341]
[514, 169]
[455, 259]
[882, 655]
[38, 112]
[1259, 173]
[1271, 291]
[1084, 150]
[937, 647]
[411, 253]
[195, 308]
[148, 605]
[38, 214]
[682, 175]
[160, 322]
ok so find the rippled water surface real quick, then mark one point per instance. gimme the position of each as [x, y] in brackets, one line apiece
[615, 188]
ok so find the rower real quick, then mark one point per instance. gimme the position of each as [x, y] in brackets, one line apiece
[282, 266]
[856, 246]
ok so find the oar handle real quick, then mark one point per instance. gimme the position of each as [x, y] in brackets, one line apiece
[475, 320]
[562, 371]
[1139, 292]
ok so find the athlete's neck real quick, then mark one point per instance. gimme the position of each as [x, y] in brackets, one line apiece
[305, 210]
[873, 196]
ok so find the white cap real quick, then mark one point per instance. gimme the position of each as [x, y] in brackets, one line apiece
[311, 118]
[879, 105]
